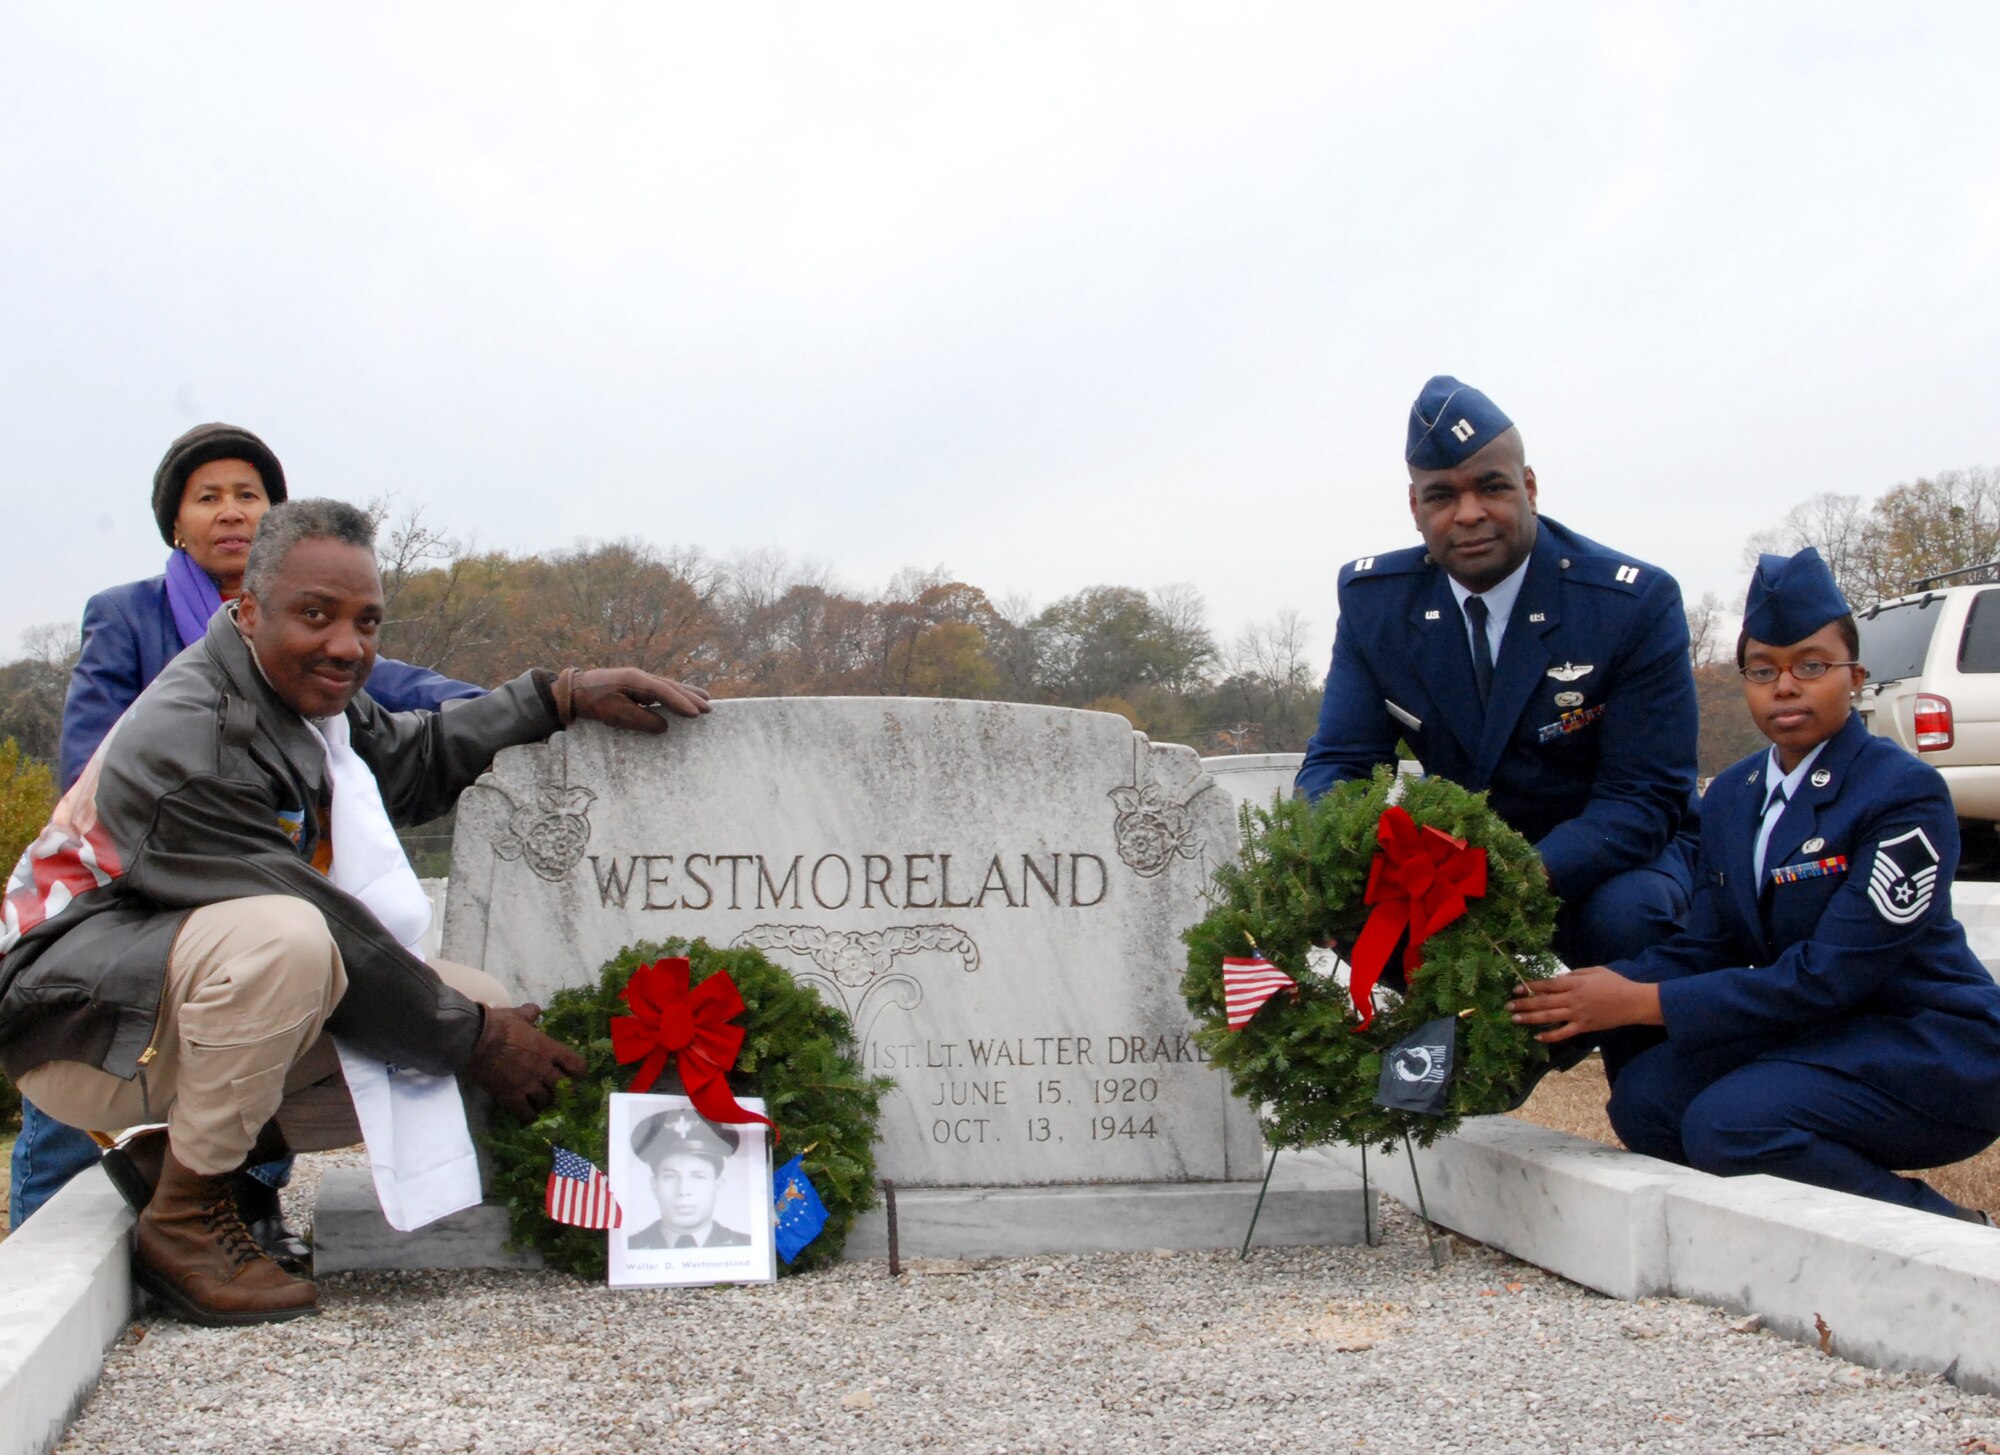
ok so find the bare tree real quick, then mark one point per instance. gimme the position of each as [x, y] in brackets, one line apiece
[55, 644]
[1836, 525]
[1916, 529]
[1189, 647]
[1273, 684]
[32, 688]
[626, 603]
[436, 604]
[1705, 626]
[1012, 646]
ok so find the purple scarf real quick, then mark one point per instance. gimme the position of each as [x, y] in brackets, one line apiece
[192, 595]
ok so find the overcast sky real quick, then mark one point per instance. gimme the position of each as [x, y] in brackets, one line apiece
[1048, 295]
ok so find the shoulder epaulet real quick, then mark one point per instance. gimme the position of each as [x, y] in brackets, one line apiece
[1619, 573]
[1584, 560]
[1389, 563]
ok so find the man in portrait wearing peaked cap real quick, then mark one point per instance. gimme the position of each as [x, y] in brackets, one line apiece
[1517, 657]
[686, 1153]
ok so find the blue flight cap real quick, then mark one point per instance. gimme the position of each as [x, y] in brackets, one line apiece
[1791, 597]
[1451, 422]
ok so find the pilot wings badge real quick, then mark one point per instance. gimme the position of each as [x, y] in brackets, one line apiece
[1569, 671]
[1904, 877]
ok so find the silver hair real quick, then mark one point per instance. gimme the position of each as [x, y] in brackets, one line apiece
[285, 525]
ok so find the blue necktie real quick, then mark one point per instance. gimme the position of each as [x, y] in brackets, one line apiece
[1482, 649]
[1774, 809]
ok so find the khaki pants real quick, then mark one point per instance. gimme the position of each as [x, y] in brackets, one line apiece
[249, 986]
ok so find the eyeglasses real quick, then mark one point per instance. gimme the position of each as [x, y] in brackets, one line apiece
[1810, 670]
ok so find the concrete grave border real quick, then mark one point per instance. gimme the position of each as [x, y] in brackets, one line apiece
[65, 1297]
[1897, 1289]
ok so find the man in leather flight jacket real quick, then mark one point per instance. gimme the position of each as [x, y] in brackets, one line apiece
[173, 950]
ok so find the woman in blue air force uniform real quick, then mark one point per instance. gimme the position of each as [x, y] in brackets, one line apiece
[1826, 1020]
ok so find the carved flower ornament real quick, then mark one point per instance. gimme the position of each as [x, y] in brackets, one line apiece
[1151, 830]
[551, 833]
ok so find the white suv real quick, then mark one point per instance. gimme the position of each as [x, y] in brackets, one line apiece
[1933, 660]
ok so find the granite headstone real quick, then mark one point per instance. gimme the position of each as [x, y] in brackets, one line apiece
[993, 892]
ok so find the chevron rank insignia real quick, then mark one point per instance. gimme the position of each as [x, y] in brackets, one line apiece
[1904, 877]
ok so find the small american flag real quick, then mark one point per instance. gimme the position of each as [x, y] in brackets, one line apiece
[1247, 984]
[580, 1195]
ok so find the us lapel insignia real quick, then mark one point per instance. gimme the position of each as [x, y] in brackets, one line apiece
[1430, 616]
[1537, 616]
[1904, 876]
[1821, 777]
[1569, 671]
[1812, 846]
[1569, 699]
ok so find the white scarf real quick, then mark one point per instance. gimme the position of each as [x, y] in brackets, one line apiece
[414, 1124]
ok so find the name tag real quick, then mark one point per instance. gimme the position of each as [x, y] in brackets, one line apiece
[1813, 869]
[1570, 722]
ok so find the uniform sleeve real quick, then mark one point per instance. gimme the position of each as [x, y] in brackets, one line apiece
[1864, 937]
[1706, 941]
[1356, 734]
[424, 760]
[1646, 757]
[104, 682]
[401, 687]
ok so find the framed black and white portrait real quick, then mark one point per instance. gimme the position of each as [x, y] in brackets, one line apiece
[695, 1195]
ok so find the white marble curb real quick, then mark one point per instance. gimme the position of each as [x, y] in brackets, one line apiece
[1896, 1289]
[65, 1295]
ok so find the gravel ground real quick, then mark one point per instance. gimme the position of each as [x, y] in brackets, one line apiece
[1308, 1350]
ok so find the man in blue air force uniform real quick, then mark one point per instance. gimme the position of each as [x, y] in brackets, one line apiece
[1514, 655]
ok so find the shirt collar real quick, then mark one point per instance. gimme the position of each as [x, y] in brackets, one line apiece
[1499, 599]
[1789, 782]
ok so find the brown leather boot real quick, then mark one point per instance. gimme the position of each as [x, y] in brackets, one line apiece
[195, 1256]
[133, 1161]
[133, 1165]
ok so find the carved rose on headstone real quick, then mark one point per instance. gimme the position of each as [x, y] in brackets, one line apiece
[1151, 830]
[551, 834]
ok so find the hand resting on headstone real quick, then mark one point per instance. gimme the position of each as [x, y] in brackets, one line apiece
[621, 697]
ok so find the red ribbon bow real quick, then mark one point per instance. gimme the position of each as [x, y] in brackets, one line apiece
[1419, 881]
[691, 1026]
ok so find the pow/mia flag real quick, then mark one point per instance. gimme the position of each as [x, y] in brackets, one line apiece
[1416, 1071]
[1904, 877]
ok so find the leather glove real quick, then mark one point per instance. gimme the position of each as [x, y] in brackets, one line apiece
[620, 696]
[516, 1064]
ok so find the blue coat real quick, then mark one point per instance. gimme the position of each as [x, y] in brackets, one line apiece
[1837, 958]
[1598, 781]
[129, 635]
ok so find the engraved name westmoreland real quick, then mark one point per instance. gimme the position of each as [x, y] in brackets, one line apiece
[850, 881]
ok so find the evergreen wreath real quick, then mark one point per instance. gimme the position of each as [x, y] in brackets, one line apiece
[798, 1054]
[1300, 881]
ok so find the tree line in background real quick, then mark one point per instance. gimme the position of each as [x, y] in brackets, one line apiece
[762, 624]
